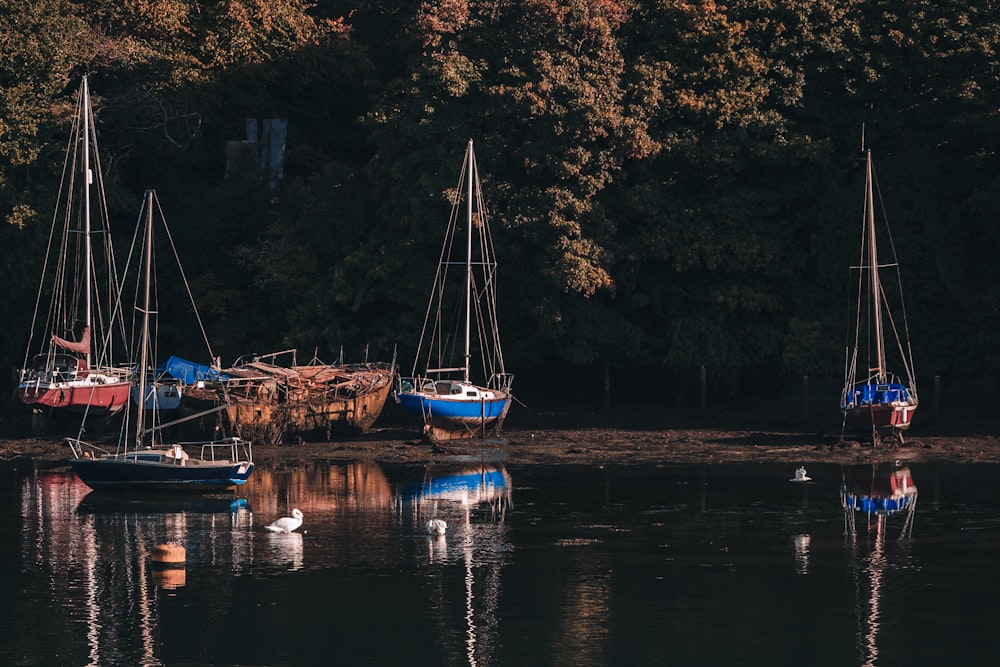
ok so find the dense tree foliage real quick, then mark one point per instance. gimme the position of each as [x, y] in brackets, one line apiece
[673, 184]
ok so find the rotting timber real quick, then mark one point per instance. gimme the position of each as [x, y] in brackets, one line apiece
[276, 403]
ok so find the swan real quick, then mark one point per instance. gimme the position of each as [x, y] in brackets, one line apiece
[436, 527]
[801, 476]
[286, 524]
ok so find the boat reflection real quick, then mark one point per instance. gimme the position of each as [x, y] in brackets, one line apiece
[473, 499]
[98, 551]
[877, 492]
[97, 502]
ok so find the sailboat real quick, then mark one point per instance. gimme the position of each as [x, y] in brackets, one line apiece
[142, 459]
[444, 394]
[874, 399]
[73, 369]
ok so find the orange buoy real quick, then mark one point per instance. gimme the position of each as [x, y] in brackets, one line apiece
[168, 555]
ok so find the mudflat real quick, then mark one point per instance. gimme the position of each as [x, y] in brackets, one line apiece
[621, 438]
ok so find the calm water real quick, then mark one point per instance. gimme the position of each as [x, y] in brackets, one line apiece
[678, 565]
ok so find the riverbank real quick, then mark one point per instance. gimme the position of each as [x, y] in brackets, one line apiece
[624, 439]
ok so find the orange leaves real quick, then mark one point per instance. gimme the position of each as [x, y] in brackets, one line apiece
[440, 18]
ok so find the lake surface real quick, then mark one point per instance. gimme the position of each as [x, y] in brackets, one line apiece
[560, 565]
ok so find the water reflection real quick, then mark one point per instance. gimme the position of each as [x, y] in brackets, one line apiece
[876, 492]
[96, 549]
[97, 552]
[473, 499]
[590, 566]
[286, 549]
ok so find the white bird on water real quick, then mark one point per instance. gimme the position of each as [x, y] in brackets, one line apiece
[286, 524]
[801, 476]
[436, 527]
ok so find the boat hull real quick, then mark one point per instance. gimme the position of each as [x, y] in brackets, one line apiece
[275, 404]
[159, 396]
[308, 415]
[268, 409]
[133, 472]
[456, 417]
[77, 396]
[879, 417]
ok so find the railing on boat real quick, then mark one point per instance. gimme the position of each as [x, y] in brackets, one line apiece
[237, 448]
[235, 445]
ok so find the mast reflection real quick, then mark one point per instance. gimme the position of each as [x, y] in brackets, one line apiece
[876, 493]
[97, 550]
[473, 500]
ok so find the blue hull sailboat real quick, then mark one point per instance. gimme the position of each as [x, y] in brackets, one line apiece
[215, 469]
[444, 395]
[142, 459]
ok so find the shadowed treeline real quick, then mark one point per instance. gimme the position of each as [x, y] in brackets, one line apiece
[672, 185]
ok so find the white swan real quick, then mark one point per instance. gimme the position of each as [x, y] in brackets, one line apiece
[286, 524]
[801, 476]
[436, 527]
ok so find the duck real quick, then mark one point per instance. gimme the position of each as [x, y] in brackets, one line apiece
[437, 527]
[286, 524]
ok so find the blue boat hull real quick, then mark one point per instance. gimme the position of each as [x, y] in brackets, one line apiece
[454, 417]
[106, 473]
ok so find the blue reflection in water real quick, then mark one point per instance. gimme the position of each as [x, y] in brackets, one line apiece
[591, 566]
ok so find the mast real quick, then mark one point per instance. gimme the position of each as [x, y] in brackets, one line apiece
[876, 287]
[468, 263]
[144, 343]
[88, 179]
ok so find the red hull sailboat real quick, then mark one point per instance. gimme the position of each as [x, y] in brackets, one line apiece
[74, 372]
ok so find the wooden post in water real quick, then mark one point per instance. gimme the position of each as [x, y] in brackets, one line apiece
[704, 392]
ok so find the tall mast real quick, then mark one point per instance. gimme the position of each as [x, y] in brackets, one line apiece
[88, 177]
[144, 343]
[468, 262]
[876, 288]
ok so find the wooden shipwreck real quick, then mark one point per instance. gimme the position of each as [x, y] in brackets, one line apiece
[273, 403]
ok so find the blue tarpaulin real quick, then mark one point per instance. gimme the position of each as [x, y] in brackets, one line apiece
[189, 372]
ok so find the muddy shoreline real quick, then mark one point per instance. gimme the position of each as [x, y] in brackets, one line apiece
[621, 439]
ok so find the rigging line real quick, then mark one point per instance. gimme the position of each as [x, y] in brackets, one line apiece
[117, 308]
[440, 276]
[899, 341]
[104, 218]
[892, 248]
[66, 172]
[180, 267]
